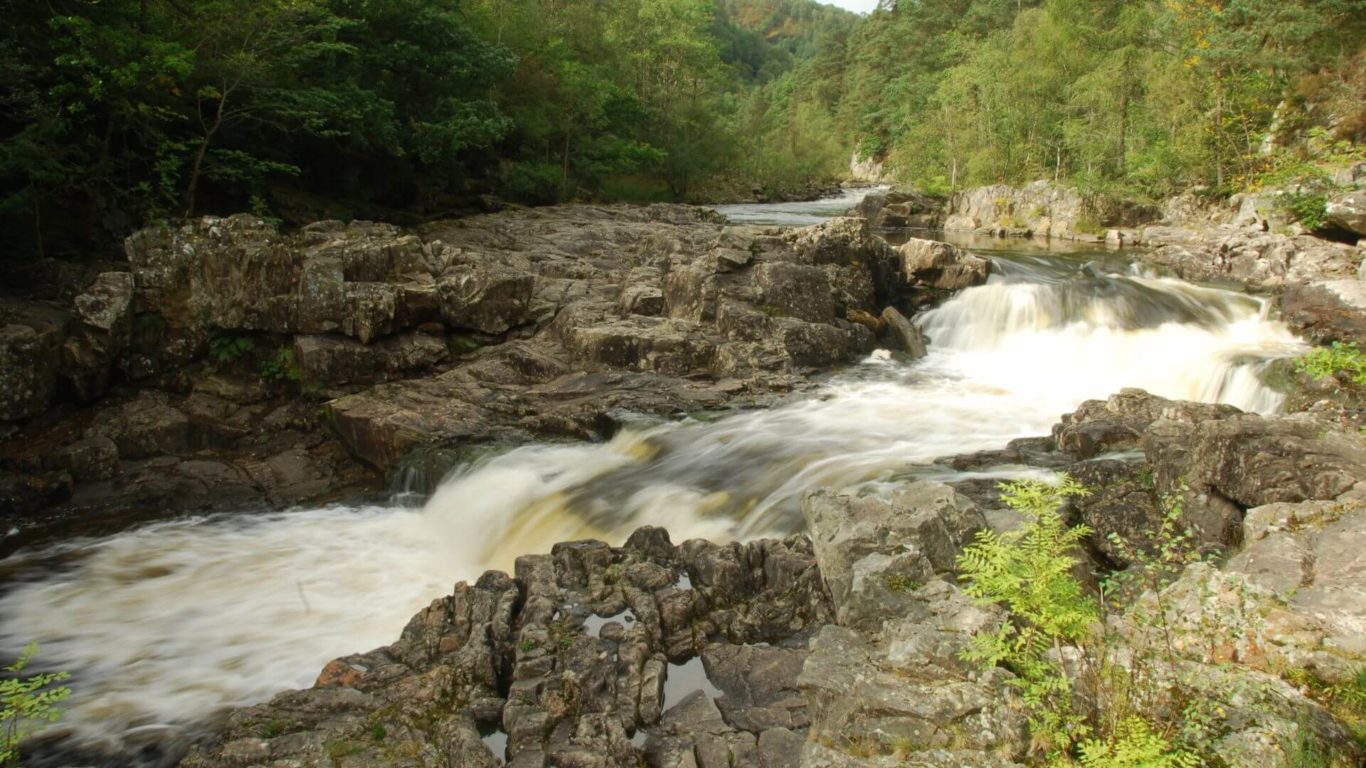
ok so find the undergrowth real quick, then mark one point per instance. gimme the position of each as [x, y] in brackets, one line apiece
[1337, 358]
[1060, 637]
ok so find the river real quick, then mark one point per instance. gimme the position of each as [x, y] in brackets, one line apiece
[167, 624]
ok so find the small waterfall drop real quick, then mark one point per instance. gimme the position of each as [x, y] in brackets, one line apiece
[164, 625]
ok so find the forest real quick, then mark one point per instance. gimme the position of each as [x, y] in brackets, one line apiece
[117, 113]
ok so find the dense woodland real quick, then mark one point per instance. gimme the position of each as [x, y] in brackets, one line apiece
[118, 112]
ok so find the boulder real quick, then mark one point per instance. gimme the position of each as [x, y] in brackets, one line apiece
[1260, 260]
[101, 329]
[874, 549]
[902, 335]
[31, 338]
[932, 264]
[1333, 310]
[1348, 212]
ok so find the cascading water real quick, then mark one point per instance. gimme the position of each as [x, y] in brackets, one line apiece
[164, 625]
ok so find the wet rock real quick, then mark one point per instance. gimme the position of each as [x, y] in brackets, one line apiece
[933, 264]
[902, 335]
[517, 656]
[146, 426]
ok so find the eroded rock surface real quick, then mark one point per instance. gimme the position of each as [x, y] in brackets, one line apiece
[572, 662]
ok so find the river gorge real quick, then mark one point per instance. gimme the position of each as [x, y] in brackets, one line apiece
[167, 624]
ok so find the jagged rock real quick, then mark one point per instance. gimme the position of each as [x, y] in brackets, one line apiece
[1123, 502]
[655, 329]
[1348, 212]
[1212, 459]
[1327, 311]
[939, 265]
[864, 703]
[871, 546]
[101, 330]
[536, 658]
[1308, 556]
[331, 360]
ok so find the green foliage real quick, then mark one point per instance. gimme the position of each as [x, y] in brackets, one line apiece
[1136, 745]
[229, 348]
[1052, 619]
[1029, 571]
[281, 366]
[1333, 360]
[1308, 208]
[26, 703]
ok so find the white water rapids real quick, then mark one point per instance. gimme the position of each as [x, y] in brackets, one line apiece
[164, 625]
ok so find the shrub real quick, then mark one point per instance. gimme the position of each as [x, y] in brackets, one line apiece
[26, 702]
[1335, 359]
[1053, 622]
[1029, 571]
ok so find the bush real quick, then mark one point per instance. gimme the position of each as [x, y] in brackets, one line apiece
[1335, 359]
[26, 702]
[1053, 620]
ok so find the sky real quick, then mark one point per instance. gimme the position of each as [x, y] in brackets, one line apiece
[857, 6]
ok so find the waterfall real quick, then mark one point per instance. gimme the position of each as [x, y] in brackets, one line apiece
[166, 624]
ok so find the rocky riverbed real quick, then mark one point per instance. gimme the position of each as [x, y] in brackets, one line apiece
[228, 366]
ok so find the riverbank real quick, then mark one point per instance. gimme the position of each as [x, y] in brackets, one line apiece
[584, 318]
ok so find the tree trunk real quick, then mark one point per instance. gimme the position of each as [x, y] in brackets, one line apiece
[193, 187]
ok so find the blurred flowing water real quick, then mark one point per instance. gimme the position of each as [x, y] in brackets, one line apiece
[165, 625]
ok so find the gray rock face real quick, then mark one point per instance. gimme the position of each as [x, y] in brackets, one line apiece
[569, 660]
[874, 548]
[888, 681]
[1042, 209]
[1214, 460]
[1348, 212]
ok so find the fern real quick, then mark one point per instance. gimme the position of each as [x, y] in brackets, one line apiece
[1029, 571]
[1135, 745]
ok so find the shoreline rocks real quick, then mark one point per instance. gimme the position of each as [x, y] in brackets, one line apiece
[227, 345]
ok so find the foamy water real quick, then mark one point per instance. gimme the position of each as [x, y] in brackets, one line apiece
[165, 625]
